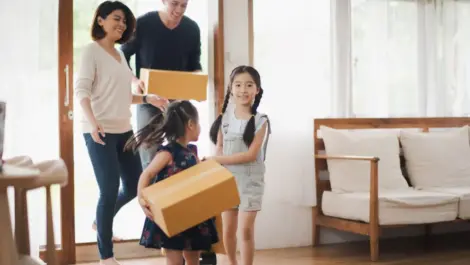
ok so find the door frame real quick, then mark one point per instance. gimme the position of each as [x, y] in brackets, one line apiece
[68, 250]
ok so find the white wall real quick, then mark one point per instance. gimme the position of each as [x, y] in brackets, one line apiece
[286, 225]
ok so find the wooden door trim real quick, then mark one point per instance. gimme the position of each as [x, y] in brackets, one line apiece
[65, 79]
[67, 248]
[219, 58]
[251, 34]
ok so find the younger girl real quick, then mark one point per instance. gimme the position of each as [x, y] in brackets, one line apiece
[179, 125]
[239, 134]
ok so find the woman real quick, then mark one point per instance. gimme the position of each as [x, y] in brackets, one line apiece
[103, 88]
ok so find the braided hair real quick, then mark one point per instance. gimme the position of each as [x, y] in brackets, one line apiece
[170, 125]
[249, 133]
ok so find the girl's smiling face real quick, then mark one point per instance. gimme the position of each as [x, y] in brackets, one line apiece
[244, 89]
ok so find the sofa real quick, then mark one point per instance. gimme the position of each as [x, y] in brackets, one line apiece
[372, 174]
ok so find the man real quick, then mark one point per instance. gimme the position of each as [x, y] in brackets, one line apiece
[164, 40]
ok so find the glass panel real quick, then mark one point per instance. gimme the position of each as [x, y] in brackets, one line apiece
[384, 58]
[86, 189]
[30, 88]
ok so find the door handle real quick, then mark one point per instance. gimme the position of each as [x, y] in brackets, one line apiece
[67, 86]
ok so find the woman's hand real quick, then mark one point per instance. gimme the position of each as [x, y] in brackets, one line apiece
[97, 133]
[146, 208]
[161, 103]
[140, 86]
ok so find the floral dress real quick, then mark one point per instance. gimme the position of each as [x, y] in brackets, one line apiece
[200, 237]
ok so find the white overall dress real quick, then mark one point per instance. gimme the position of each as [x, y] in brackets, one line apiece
[249, 176]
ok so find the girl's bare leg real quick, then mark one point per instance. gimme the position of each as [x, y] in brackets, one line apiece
[247, 226]
[173, 257]
[230, 224]
[192, 257]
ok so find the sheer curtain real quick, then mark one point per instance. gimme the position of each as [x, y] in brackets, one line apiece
[455, 18]
[297, 89]
[411, 57]
[29, 70]
[385, 73]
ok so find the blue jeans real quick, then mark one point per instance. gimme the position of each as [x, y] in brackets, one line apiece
[145, 112]
[110, 164]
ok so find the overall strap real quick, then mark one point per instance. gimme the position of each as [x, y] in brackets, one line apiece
[265, 146]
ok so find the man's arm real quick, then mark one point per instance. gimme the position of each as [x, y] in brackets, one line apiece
[195, 55]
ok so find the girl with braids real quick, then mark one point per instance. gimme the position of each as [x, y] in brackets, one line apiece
[239, 134]
[179, 126]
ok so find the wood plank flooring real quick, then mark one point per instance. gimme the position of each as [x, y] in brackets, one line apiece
[443, 250]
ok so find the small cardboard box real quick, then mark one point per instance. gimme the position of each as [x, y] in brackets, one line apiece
[191, 196]
[176, 85]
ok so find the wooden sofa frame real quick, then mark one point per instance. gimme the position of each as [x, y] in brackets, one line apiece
[371, 229]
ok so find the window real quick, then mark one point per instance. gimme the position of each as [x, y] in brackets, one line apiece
[384, 40]
[456, 53]
[86, 189]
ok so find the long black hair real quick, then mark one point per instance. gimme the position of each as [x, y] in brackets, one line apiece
[249, 133]
[169, 125]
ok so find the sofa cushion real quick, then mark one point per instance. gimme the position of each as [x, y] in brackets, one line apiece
[437, 159]
[395, 207]
[354, 175]
[464, 199]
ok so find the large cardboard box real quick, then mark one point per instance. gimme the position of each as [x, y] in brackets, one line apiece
[175, 84]
[191, 196]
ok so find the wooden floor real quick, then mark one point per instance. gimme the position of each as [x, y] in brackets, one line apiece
[448, 250]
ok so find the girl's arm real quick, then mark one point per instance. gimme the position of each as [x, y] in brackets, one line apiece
[160, 160]
[244, 157]
[220, 144]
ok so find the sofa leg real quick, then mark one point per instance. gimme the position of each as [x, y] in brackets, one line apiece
[315, 235]
[374, 249]
[427, 236]
[374, 245]
[315, 228]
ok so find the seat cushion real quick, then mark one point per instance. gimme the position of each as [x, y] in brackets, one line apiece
[395, 207]
[464, 195]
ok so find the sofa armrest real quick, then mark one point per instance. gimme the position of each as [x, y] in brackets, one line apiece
[374, 184]
[348, 157]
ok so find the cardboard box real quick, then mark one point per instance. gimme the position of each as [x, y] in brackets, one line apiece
[191, 196]
[175, 84]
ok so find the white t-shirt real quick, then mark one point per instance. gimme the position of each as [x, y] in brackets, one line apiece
[108, 84]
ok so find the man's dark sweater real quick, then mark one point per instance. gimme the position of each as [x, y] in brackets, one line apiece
[158, 47]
